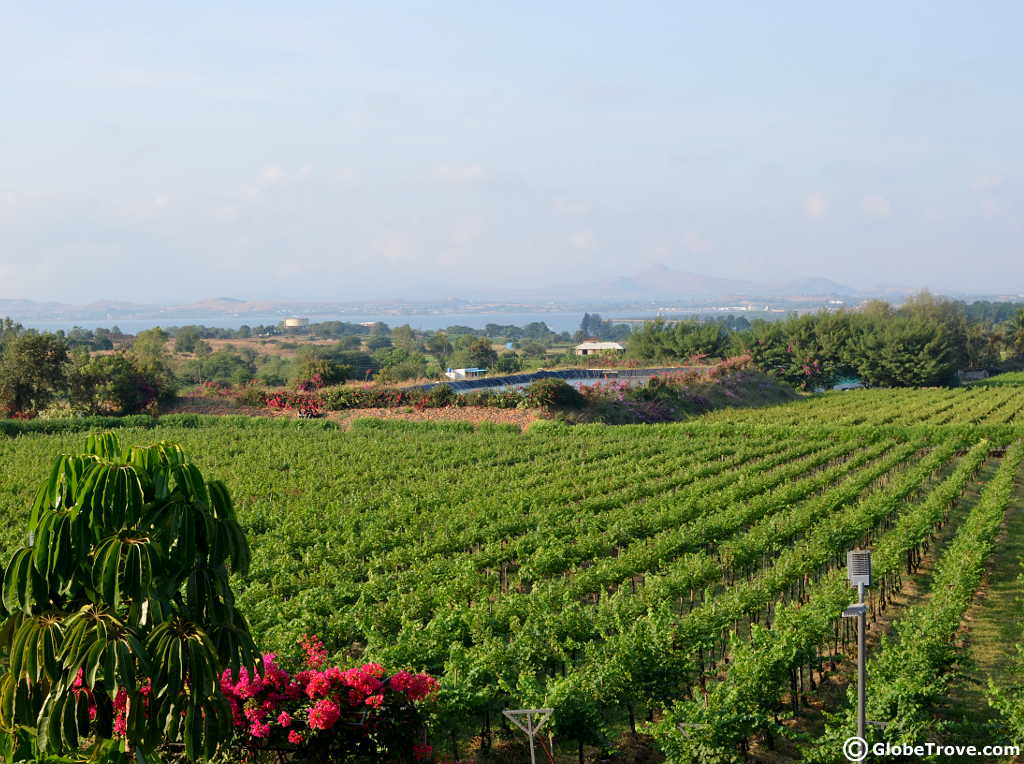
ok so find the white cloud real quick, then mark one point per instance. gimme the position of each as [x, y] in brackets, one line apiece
[987, 182]
[582, 240]
[467, 230]
[392, 245]
[876, 206]
[571, 207]
[991, 209]
[459, 173]
[696, 243]
[272, 174]
[815, 206]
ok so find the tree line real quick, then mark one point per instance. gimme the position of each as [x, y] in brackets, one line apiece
[925, 341]
[40, 370]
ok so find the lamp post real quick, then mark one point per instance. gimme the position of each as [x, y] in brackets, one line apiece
[858, 571]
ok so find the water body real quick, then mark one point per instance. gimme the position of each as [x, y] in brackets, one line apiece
[575, 377]
[558, 322]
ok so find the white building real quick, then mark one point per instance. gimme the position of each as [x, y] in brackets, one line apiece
[598, 348]
[464, 373]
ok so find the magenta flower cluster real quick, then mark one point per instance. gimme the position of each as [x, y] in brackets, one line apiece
[304, 707]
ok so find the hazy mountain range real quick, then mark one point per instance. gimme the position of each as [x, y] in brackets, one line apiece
[657, 284]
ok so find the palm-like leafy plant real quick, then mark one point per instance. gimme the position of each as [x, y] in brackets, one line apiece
[118, 618]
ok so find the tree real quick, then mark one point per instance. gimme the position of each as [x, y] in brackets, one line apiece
[32, 372]
[534, 350]
[537, 330]
[404, 337]
[148, 353]
[1013, 335]
[659, 341]
[149, 347]
[187, 339]
[124, 589]
[508, 363]
[350, 342]
[223, 366]
[438, 345]
[905, 352]
[950, 314]
[9, 330]
[477, 354]
[323, 371]
[111, 384]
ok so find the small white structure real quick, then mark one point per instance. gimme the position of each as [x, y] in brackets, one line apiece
[295, 323]
[464, 373]
[598, 348]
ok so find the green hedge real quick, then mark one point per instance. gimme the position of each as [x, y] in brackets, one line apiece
[15, 427]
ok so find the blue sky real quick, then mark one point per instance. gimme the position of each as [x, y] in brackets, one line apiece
[165, 152]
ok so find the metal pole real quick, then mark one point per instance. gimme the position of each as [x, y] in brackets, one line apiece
[529, 723]
[861, 703]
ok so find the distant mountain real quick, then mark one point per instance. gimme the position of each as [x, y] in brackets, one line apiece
[815, 287]
[662, 281]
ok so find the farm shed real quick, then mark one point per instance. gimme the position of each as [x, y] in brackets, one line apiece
[598, 348]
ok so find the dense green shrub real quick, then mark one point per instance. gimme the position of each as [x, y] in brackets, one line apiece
[440, 396]
[341, 398]
[252, 396]
[324, 372]
[553, 392]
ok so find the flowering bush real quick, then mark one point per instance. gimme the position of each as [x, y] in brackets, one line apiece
[285, 400]
[328, 714]
[310, 410]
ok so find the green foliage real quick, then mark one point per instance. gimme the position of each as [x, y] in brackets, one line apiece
[328, 372]
[508, 363]
[31, 372]
[440, 396]
[906, 353]
[121, 602]
[476, 354]
[658, 341]
[920, 660]
[116, 384]
[536, 568]
[224, 366]
[553, 392]
[922, 343]
[187, 339]
[275, 371]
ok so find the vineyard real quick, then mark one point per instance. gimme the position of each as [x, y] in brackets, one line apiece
[679, 584]
[997, 401]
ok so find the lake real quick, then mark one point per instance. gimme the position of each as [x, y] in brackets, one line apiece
[556, 321]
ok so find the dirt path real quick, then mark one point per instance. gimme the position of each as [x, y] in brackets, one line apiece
[221, 406]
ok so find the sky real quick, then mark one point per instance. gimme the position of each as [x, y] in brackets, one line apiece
[166, 152]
